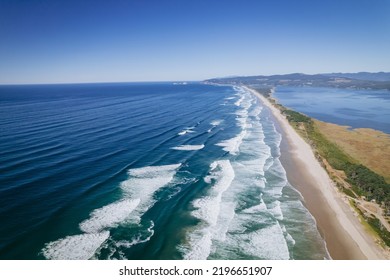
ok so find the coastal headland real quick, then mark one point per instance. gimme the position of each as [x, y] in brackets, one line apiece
[338, 223]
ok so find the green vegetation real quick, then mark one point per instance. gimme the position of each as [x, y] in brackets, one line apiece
[368, 183]
[379, 228]
[364, 182]
[368, 147]
[265, 91]
[333, 154]
[293, 116]
[347, 191]
[363, 219]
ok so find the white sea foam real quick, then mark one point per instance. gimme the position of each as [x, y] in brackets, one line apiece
[256, 209]
[268, 243]
[138, 238]
[76, 247]
[153, 171]
[242, 122]
[279, 181]
[216, 122]
[238, 102]
[236, 235]
[275, 209]
[232, 145]
[208, 211]
[144, 182]
[256, 111]
[187, 130]
[254, 144]
[175, 191]
[109, 215]
[200, 242]
[208, 179]
[208, 207]
[252, 170]
[242, 113]
[226, 215]
[301, 220]
[188, 147]
[238, 89]
[290, 240]
[245, 102]
[138, 198]
[245, 240]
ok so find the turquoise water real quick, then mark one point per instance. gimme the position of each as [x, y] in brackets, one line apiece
[145, 171]
[354, 108]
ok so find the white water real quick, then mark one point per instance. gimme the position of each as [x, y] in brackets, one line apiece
[188, 147]
[229, 229]
[76, 247]
[109, 216]
[138, 192]
[208, 210]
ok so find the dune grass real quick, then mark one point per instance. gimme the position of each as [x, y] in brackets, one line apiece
[369, 147]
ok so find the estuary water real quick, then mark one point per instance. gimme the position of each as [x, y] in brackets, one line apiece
[354, 108]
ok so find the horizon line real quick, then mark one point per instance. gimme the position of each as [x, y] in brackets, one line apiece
[181, 81]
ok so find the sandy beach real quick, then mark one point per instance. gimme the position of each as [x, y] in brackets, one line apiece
[337, 222]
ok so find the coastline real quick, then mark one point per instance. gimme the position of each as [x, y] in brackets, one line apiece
[338, 224]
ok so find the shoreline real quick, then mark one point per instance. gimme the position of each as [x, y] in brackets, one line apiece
[337, 223]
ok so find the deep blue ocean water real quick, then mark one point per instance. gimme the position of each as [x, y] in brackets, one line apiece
[354, 108]
[145, 171]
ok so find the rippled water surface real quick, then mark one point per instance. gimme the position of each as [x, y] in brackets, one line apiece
[145, 171]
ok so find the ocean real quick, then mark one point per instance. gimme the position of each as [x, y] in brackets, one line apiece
[146, 171]
[349, 107]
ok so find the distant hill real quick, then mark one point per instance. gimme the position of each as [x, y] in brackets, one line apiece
[367, 76]
[363, 80]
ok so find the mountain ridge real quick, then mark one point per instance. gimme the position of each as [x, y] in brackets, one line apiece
[360, 80]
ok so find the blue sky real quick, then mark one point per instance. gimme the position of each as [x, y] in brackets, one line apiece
[51, 41]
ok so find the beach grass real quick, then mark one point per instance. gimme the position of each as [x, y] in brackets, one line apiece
[369, 147]
[363, 220]
[362, 179]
